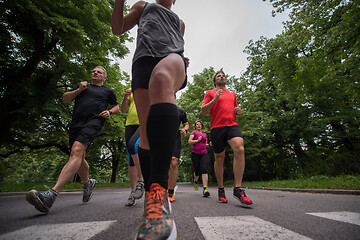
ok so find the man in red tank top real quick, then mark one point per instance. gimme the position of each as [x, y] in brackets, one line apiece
[223, 109]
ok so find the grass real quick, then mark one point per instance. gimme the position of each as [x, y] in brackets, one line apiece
[348, 182]
[21, 187]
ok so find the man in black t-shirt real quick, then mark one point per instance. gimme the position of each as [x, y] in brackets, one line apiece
[90, 112]
[173, 172]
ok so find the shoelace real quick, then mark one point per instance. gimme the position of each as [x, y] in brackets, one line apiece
[154, 203]
[87, 187]
[222, 194]
[139, 185]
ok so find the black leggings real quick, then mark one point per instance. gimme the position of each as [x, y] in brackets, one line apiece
[200, 163]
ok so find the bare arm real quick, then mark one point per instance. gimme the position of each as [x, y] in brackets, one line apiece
[120, 23]
[192, 141]
[106, 113]
[182, 27]
[68, 97]
[206, 107]
[126, 101]
[184, 130]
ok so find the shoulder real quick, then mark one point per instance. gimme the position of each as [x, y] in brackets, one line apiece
[107, 89]
[211, 92]
[138, 8]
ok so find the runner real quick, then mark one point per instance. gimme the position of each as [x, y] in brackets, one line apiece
[199, 156]
[223, 109]
[173, 173]
[158, 71]
[132, 136]
[90, 112]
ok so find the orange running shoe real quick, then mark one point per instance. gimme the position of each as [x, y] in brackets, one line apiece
[171, 197]
[157, 222]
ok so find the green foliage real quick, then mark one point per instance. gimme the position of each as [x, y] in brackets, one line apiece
[47, 47]
[299, 95]
[350, 182]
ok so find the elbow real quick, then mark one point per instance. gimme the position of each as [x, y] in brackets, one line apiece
[65, 100]
[116, 30]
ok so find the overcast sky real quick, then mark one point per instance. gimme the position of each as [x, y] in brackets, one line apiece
[217, 32]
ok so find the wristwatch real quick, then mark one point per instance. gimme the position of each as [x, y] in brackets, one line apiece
[111, 113]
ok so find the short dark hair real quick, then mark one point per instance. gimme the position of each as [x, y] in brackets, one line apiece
[216, 75]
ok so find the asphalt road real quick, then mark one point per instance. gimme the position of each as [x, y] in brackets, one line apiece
[274, 215]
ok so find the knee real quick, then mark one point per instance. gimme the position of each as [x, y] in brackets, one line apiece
[239, 150]
[219, 158]
[76, 151]
[160, 79]
[161, 84]
[174, 163]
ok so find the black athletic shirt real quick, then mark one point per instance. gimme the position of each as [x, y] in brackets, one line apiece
[89, 104]
[182, 118]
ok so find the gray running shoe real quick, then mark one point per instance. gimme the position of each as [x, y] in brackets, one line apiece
[41, 201]
[88, 188]
[131, 200]
[139, 190]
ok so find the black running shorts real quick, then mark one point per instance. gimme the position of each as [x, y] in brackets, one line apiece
[177, 147]
[84, 135]
[142, 69]
[220, 136]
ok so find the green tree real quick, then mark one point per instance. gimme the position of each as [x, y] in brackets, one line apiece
[47, 47]
[302, 94]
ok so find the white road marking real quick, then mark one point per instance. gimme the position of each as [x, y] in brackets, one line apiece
[243, 227]
[84, 230]
[348, 217]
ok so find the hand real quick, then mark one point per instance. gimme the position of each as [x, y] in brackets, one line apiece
[199, 139]
[219, 93]
[83, 86]
[187, 60]
[237, 110]
[182, 131]
[105, 114]
[127, 92]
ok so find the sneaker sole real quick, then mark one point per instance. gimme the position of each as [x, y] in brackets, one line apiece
[241, 201]
[207, 194]
[32, 198]
[130, 205]
[222, 202]
[172, 236]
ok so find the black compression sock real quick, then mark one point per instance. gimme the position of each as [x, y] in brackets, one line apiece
[162, 126]
[145, 164]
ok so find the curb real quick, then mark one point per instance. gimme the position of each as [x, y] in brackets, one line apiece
[326, 191]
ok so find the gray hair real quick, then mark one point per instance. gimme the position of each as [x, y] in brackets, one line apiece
[105, 73]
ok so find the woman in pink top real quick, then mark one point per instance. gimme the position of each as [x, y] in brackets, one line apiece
[199, 156]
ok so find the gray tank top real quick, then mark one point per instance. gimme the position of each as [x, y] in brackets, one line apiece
[158, 33]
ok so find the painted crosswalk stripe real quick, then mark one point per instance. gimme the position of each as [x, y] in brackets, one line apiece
[348, 217]
[84, 230]
[243, 227]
